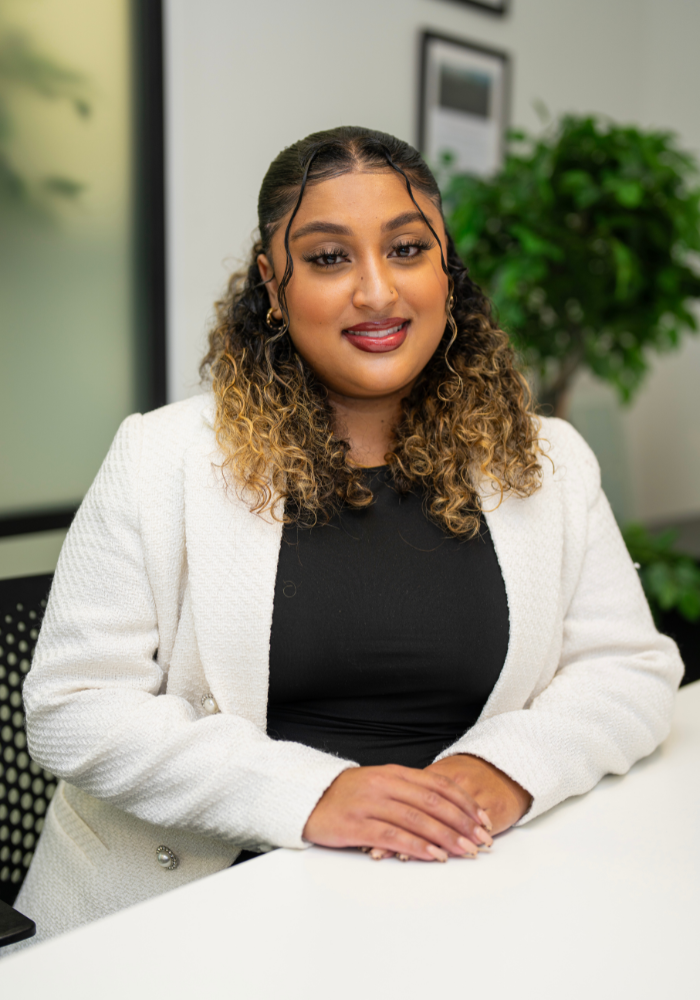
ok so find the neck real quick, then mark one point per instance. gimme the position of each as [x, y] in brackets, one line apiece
[368, 424]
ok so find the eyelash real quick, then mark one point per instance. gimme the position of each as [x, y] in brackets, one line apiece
[315, 258]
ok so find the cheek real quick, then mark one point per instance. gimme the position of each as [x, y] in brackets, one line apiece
[315, 310]
[314, 304]
[426, 295]
[428, 288]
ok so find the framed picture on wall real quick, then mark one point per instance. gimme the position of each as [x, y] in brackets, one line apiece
[463, 103]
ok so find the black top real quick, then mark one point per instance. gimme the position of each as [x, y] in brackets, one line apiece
[388, 635]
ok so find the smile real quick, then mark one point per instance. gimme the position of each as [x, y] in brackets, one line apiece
[378, 338]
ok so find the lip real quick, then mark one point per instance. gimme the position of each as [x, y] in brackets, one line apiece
[376, 326]
[372, 338]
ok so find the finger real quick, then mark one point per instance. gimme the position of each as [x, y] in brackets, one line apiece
[433, 804]
[445, 786]
[421, 824]
[439, 790]
[376, 853]
[416, 790]
[392, 838]
[485, 820]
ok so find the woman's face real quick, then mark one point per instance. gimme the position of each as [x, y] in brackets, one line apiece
[367, 297]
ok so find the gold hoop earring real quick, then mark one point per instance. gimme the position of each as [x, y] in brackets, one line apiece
[268, 319]
[450, 303]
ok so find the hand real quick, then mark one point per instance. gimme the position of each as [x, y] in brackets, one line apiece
[504, 799]
[402, 810]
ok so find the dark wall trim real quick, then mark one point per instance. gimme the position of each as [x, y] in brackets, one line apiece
[149, 201]
[27, 524]
[487, 8]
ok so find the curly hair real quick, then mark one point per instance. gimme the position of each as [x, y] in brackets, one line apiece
[468, 416]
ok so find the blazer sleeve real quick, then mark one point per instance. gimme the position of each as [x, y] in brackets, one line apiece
[96, 714]
[611, 699]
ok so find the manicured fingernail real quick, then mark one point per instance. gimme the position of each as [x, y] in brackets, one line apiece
[403, 857]
[376, 854]
[483, 836]
[484, 817]
[437, 852]
[467, 846]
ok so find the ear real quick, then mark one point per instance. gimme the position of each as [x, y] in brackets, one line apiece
[267, 273]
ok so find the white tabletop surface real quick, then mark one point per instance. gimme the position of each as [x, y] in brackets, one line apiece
[599, 898]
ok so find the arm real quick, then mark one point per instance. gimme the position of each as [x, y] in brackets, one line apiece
[94, 712]
[611, 699]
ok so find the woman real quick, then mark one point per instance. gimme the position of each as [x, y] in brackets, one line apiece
[356, 595]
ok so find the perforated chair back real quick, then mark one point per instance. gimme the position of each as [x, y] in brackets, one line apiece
[25, 788]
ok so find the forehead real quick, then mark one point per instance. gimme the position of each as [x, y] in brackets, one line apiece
[360, 198]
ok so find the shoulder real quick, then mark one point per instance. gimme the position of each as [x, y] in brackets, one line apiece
[181, 421]
[155, 445]
[168, 433]
[189, 417]
[567, 458]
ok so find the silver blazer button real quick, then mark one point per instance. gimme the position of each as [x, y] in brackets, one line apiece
[166, 859]
[209, 703]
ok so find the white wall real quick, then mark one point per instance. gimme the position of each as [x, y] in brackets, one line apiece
[662, 430]
[245, 80]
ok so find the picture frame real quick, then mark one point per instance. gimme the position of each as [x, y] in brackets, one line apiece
[464, 103]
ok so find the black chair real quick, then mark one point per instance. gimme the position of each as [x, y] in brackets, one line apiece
[687, 635]
[25, 788]
[14, 926]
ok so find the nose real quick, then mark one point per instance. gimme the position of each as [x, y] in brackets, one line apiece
[375, 290]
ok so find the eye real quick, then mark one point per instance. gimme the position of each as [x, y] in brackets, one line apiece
[409, 249]
[326, 258]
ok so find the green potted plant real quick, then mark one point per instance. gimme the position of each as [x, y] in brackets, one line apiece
[671, 581]
[585, 240]
[588, 241]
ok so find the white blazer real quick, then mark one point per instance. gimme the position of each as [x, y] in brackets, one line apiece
[163, 599]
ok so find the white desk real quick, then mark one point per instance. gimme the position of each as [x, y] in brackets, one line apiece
[599, 899]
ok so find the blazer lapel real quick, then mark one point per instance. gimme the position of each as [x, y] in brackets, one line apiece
[528, 537]
[232, 564]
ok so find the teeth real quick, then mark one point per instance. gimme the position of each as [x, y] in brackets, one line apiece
[383, 333]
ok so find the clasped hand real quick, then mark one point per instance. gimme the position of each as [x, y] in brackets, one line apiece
[450, 809]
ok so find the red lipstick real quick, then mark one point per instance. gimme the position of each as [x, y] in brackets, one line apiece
[378, 337]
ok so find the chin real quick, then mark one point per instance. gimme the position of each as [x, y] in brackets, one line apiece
[379, 379]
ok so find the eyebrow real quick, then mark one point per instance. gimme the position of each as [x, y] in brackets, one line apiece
[405, 219]
[335, 229]
[332, 228]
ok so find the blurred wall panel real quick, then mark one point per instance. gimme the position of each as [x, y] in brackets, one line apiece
[74, 356]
